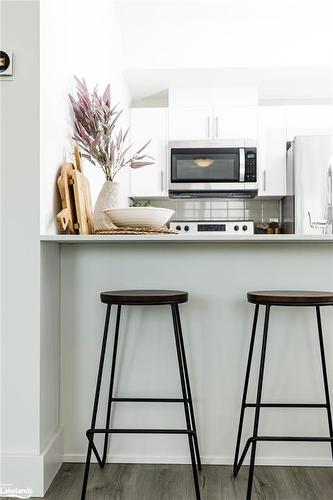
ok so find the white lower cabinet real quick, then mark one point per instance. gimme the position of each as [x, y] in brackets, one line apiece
[272, 152]
[150, 123]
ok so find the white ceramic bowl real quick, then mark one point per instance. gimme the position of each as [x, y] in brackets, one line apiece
[141, 217]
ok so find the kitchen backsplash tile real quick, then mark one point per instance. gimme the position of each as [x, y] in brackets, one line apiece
[202, 214]
[219, 204]
[236, 205]
[187, 205]
[237, 213]
[206, 209]
[183, 214]
[219, 214]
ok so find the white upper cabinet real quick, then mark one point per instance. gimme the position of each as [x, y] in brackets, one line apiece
[235, 122]
[190, 123]
[213, 123]
[272, 151]
[270, 127]
[150, 123]
[309, 120]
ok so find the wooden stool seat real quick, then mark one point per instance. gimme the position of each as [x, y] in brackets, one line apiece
[144, 297]
[290, 297]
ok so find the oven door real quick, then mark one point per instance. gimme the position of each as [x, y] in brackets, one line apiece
[204, 169]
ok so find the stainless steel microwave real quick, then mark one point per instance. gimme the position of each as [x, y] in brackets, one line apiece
[219, 169]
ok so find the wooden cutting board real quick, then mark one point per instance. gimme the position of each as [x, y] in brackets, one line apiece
[76, 215]
[84, 213]
[66, 218]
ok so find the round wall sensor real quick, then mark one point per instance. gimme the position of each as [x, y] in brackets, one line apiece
[5, 63]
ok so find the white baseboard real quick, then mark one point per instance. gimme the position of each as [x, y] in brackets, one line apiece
[207, 460]
[32, 474]
[52, 459]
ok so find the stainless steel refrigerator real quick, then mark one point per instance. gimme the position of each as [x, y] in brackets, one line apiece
[307, 208]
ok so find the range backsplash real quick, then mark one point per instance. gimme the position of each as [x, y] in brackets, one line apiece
[256, 210]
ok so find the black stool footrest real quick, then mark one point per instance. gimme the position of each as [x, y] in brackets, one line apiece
[149, 400]
[301, 439]
[311, 439]
[139, 431]
[286, 405]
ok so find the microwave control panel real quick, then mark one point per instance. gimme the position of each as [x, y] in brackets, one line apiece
[250, 165]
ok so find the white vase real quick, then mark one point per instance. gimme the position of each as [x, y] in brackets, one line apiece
[110, 196]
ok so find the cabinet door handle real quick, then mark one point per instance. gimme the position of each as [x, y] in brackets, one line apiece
[264, 180]
[208, 126]
[216, 126]
[162, 180]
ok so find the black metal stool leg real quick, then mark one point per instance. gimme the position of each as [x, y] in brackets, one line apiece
[113, 368]
[323, 363]
[246, 385]
[186, 408]
[97, 393]
[188, 388]
[258, 402]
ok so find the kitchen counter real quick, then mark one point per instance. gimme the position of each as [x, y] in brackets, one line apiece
[217, 271]
[184, 238]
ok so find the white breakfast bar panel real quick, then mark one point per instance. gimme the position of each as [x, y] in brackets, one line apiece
[189, 238]
[216, 322]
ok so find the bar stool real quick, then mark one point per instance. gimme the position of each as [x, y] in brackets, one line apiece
[143, 298]
[269, 299]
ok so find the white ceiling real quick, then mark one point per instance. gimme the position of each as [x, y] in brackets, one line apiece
[283, 47]
[275, 85]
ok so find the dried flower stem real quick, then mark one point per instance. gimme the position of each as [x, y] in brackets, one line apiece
[95, 131]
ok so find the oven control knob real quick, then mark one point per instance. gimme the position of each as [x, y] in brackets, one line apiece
[245, 228]
[236, 228]
[178, 228]
[186, 228]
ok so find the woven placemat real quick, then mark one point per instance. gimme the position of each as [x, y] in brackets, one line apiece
[135, 230]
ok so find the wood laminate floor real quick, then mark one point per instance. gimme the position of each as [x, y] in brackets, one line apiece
[174, 482]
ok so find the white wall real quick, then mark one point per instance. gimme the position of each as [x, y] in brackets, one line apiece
[226, 33]
[77, 38]
[217, 325]
[73, 32]
[20, 322]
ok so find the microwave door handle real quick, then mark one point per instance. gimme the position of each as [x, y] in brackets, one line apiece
[241, 165]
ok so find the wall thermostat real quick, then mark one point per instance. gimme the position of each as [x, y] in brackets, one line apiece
[6, 63]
